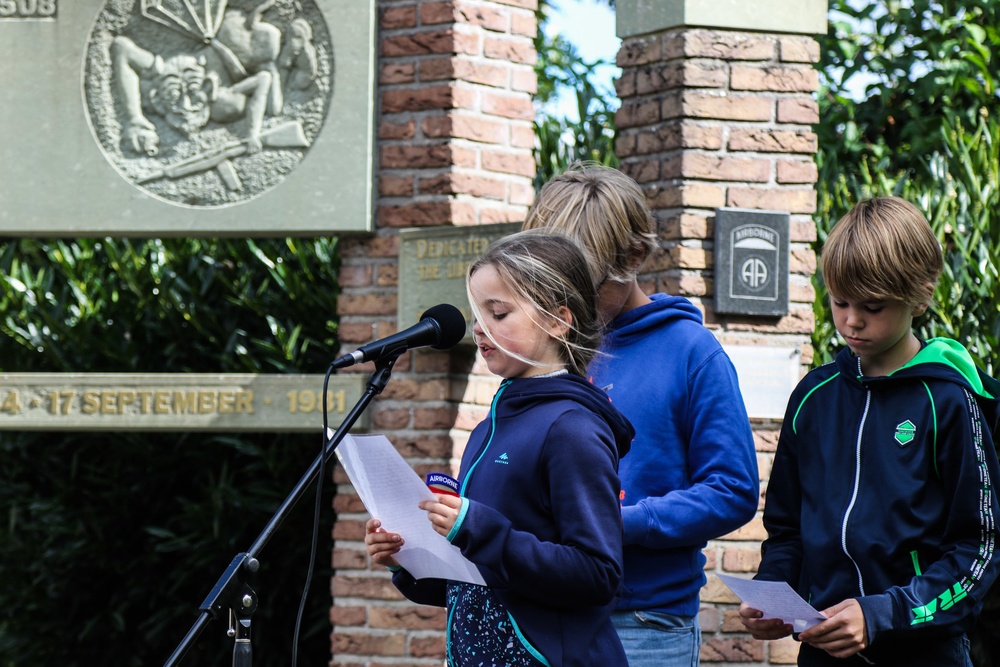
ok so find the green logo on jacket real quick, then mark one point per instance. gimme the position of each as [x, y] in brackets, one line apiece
[905, 433]
[925, 613]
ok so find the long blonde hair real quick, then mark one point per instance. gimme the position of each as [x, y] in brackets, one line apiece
[550, 272]
[605, 211]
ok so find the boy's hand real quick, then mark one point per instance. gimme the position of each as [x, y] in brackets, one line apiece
[843, 634]
[442, 512]
[381, 545]
[763, 628]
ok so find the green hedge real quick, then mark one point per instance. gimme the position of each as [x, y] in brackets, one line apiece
[925, 128]
[587, 132]
[113, 540]
[960, 195]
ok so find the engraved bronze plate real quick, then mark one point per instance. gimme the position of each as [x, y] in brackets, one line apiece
[432, 266]
[171, 402]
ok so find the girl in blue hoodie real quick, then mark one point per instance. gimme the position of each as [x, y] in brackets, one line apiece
[692, 473]
[538, 507]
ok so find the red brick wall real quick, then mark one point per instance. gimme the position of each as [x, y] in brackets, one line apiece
[712, 119]
[455, 134]
[708, 119]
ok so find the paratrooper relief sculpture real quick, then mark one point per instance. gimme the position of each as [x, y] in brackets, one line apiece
[207, 103]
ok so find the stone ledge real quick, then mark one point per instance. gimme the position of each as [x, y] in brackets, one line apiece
[642, 17]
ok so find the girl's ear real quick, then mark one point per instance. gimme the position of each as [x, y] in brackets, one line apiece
[919, 309]
[559, 323]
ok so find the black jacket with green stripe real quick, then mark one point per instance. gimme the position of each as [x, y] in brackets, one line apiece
[884, 489]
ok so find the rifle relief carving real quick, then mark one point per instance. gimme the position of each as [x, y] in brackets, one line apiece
[207, 103]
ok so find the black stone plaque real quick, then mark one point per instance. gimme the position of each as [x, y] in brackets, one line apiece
[751, 262]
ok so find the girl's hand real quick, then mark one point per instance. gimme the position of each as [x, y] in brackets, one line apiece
[381, 545]
[442, 512]
[763, 628]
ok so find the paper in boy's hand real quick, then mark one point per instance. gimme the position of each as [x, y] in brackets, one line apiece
[776, 599]
[391, 492]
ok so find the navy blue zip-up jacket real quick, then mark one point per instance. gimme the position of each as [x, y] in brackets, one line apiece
[883, 489]
[542, 522]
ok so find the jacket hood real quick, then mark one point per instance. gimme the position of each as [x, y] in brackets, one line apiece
[940, 358]
[523, 393]
[943, 359]
[637, 322]
[952, 354]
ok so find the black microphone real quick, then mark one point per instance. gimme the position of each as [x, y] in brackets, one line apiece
[441, 327]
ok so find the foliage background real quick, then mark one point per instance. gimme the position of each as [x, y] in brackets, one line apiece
[926, 128]
[113, 540]
[585, 131]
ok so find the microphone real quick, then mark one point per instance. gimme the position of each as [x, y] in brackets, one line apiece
[441, 327]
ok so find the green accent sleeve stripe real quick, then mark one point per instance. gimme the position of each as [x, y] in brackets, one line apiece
[806, 398]
[916, 563]
[930, 396]
[458, 520]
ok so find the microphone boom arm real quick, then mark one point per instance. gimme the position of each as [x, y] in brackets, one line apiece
[231, 589]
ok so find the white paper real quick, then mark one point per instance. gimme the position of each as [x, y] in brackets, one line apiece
[391, 492]
[776, 599]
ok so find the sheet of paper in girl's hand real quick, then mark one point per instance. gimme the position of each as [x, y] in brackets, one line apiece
[776, 599]
[391, 491]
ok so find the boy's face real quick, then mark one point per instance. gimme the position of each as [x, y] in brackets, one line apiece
[879, 332]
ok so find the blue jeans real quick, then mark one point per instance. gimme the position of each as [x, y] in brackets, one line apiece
[652, 639]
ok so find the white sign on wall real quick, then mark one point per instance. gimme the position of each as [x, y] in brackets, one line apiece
[767, 377]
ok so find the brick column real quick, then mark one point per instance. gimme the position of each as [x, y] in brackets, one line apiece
[714, 116]
[454, 145]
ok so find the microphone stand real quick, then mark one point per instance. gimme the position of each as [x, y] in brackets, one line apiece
[231, 590]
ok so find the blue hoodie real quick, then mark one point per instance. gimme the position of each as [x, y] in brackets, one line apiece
[883, 490]
[691, 475]
[540, 519]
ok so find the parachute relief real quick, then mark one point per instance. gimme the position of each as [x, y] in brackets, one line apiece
[208, 103]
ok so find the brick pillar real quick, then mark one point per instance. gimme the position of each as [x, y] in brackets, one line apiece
[717, 112]
[454, 146]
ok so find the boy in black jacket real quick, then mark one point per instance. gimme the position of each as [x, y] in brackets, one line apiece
[881, 507]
